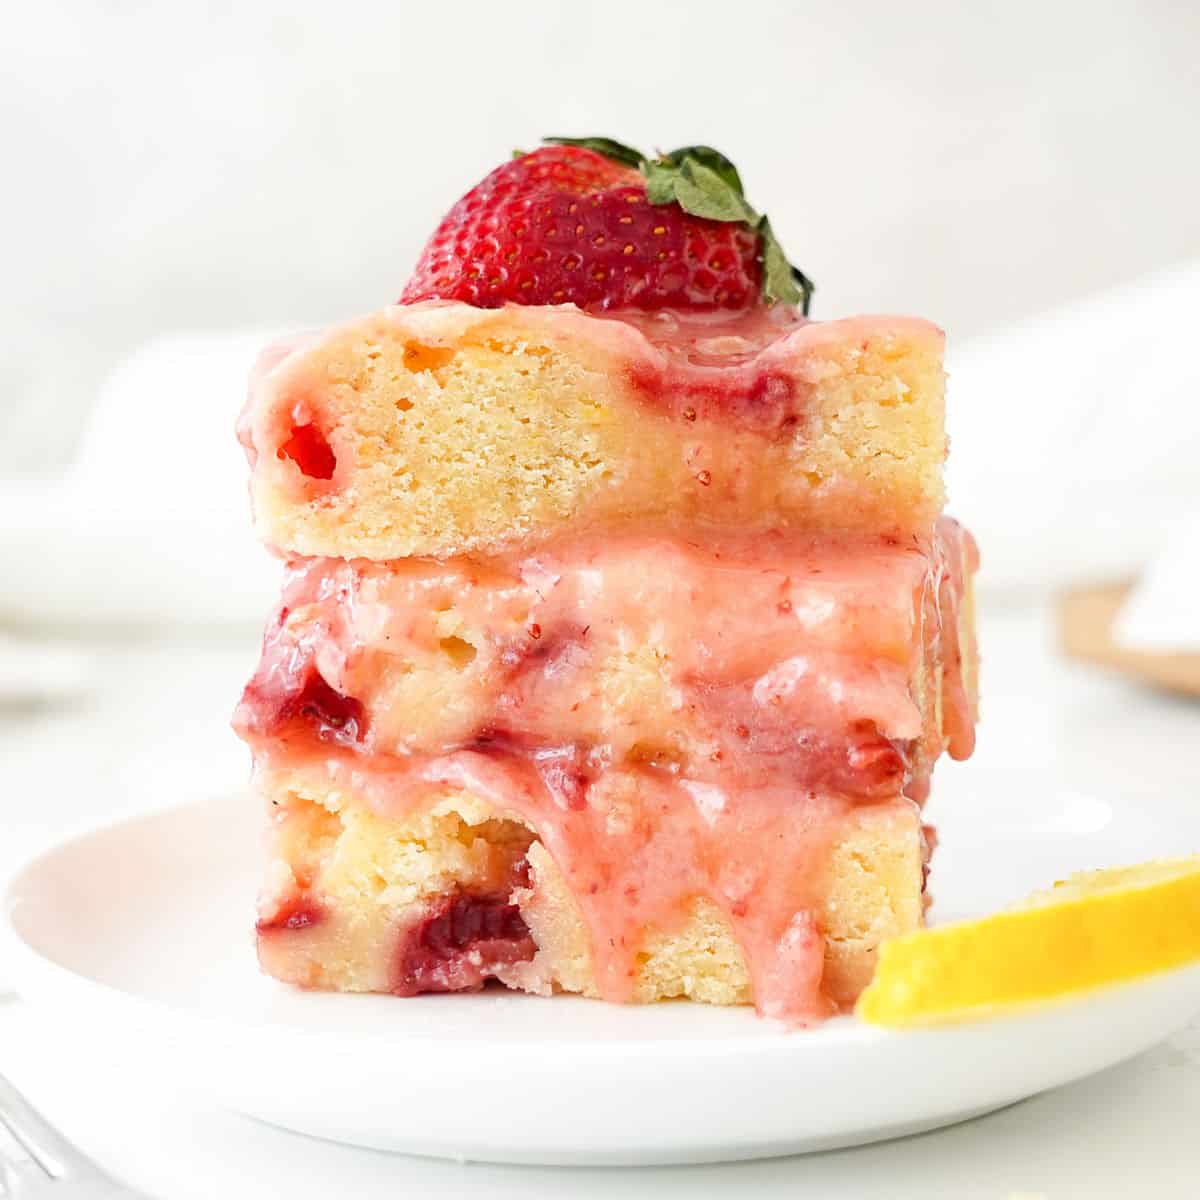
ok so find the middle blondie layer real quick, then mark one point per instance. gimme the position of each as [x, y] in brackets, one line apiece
[631, 766]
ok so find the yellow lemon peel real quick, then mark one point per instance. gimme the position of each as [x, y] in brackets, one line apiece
[1088, 931]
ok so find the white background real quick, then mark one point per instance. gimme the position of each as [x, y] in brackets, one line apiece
[216, 165]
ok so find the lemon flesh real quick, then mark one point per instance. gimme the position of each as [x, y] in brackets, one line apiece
[1093, 929]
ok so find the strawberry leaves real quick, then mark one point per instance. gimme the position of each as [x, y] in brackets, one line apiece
[610, 148]
[782, 281]
[704, 183]
[703, 192]
[714, 160]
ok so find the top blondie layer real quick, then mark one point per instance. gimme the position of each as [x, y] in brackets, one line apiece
[439, 428]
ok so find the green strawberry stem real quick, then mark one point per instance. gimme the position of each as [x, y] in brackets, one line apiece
[703, 182]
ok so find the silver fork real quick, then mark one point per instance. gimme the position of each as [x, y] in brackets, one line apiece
[55, 1168]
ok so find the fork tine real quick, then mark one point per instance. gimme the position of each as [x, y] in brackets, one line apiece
[51, 1150]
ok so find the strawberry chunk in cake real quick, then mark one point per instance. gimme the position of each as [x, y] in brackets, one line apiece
[621, 632]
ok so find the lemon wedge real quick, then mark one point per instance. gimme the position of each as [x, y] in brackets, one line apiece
[1095, 928]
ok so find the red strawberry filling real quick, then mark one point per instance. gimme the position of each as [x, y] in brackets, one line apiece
[299, 912]
[764, 403]
[310, 450]
[288, 695]
[460, 944]
[565, 771]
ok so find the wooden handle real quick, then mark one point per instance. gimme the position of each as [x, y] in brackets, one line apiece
[1086, 616]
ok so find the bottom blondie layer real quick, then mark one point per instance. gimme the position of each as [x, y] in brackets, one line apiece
[456, 892]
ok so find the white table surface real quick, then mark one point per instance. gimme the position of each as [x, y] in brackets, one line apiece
[152, 729]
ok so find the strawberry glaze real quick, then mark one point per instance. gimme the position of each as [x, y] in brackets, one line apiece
[789, 670]
[706, 366]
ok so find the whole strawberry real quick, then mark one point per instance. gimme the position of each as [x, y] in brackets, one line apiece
[592, 222]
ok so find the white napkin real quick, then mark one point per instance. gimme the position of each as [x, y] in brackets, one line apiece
[33, 672]
[1075, 435]
[151, 525]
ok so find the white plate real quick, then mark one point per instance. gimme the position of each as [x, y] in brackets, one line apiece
[143, 930]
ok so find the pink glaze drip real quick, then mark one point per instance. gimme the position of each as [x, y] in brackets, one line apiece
[715, 366]
[289, 697]
[960, 711]
[268, 359]
[713, 339]
[636, 863]
[296, 431]
[792, 663]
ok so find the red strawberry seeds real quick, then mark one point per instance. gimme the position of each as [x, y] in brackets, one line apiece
[566, 224]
